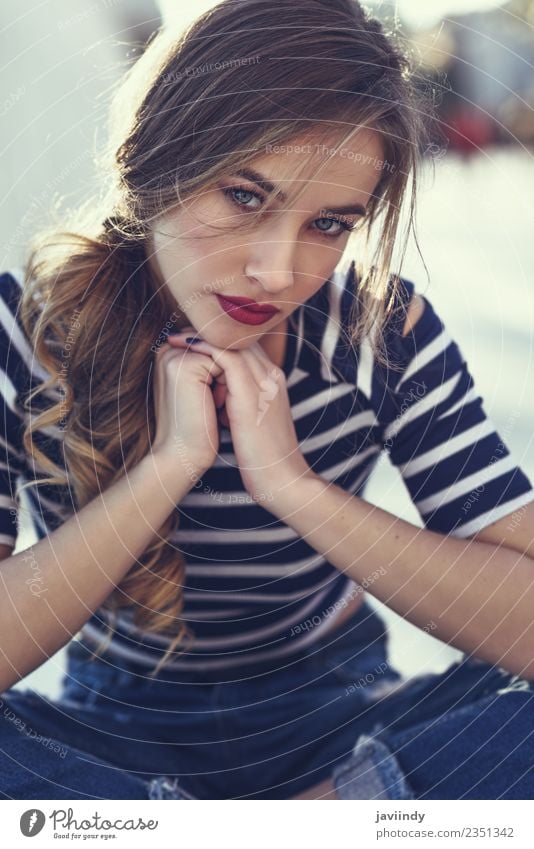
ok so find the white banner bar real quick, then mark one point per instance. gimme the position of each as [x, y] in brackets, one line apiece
[241, 823]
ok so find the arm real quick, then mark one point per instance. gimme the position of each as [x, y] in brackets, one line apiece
[479, 592]
[480, 595]
[80, 563]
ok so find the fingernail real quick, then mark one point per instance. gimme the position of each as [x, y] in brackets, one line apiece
[192, 340]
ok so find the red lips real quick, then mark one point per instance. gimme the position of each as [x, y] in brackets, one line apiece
[253, 306]
[247, 313]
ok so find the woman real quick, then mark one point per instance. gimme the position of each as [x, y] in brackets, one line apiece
[202, 531]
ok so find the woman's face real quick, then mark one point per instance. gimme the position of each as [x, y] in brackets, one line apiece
[280, 262]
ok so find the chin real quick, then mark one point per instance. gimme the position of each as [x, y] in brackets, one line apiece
[229, 341]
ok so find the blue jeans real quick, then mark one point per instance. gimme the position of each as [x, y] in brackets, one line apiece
[114, 733]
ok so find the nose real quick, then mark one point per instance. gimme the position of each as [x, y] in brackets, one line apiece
[271, 261]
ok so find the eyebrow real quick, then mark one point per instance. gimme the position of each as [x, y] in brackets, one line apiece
[270, 188]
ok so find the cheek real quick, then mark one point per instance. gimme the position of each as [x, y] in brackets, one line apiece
[318, 264]
[201, 242]
[180, 258]
[204, 216]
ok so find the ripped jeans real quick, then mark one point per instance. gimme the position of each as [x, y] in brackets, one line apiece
[338, 710]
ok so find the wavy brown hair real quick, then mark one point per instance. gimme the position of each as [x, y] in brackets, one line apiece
[244, 75]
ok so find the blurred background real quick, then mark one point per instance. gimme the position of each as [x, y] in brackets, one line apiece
[61, 60]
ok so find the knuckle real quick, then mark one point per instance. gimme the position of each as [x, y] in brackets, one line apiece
[164, 346]
[215, 369]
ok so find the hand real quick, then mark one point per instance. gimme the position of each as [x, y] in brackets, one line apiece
[187, 432]
[258, 412]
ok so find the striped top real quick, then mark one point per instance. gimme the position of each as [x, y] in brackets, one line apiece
[254, 591]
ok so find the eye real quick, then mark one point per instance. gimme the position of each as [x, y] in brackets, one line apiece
[235, 193]
[345, 226]
[238, 196]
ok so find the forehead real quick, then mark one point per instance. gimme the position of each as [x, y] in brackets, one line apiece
[354, 165]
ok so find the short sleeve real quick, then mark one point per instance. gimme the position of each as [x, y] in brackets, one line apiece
[459, 472]
[12, 455]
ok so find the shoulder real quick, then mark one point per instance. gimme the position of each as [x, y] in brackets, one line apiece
[407, 306]
[415, 350]
[414, 311]
[413, 331]
[409, 327]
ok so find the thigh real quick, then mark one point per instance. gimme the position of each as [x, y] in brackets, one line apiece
[475, 742]
[34, 765]
[357, 697]
[148, 726]
[464, 734]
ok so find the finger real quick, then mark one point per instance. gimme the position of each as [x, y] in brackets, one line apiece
[188, 329]
[205, 348]
[261, 368]
[227, 359]
[213, 369]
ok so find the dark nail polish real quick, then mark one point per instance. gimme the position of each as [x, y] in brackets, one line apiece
[192, 340]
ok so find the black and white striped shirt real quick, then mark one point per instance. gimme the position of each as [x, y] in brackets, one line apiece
[255, 591]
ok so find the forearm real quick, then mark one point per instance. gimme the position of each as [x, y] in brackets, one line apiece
[479, 596]
[79, 564]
